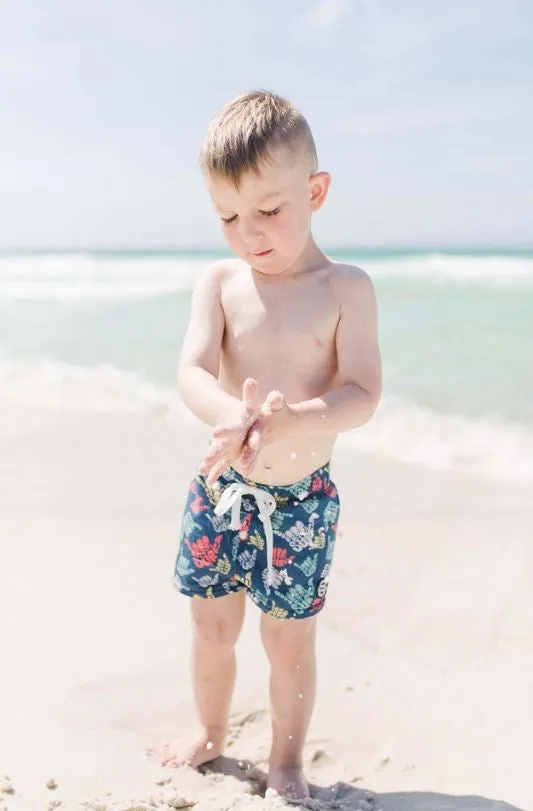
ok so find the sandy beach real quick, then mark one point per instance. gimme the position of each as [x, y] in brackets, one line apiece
[425, 692]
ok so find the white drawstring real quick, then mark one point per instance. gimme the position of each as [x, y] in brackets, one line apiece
[231, 499]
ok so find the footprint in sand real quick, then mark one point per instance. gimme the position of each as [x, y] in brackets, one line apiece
[239, 723]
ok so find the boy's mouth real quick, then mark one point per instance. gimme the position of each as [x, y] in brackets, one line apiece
[263, 253]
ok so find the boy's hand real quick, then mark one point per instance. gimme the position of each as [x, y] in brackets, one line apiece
[272, 423]
[227, 443]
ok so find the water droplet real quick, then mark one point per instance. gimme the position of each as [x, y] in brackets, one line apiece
[290, 737]
[293, 455]
[313, 453]
[323, 416]
[209, 745]
[300, 695]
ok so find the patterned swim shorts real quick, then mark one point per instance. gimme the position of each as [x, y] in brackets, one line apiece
[275, 541]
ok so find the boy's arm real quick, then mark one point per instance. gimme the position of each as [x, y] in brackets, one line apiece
[198, 368]
[359, 363]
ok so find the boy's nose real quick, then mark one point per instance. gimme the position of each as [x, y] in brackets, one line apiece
[250, 234]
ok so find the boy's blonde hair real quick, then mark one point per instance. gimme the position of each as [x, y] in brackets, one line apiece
[245, 131]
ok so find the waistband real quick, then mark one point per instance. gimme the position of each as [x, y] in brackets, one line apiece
[305, 487]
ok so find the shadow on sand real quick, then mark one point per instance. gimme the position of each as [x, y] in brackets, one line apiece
[344, 797]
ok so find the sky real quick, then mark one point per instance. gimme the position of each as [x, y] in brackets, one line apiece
[422, 111]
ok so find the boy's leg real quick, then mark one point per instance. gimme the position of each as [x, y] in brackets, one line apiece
[290, 647]
[216, 627]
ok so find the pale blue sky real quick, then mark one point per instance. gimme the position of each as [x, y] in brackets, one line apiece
[422, 111]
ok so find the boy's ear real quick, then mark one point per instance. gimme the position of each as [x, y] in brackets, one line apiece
[319, 184]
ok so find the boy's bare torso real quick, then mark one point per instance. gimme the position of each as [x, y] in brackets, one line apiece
[281, 331]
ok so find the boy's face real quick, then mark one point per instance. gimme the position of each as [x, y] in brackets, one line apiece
[266, 221]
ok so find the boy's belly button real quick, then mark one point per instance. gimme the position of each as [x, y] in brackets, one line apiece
[292, 457]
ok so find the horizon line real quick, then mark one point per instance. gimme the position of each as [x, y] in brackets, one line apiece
[425, 247]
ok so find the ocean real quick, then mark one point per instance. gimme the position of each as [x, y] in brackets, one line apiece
[102, 331]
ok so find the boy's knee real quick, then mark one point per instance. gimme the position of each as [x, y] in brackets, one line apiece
[216, 629]
[288, 640]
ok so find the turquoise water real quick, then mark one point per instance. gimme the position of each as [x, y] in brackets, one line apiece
[460, 350]
[456, 331]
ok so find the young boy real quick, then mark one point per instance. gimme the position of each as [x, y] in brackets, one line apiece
[281, 355]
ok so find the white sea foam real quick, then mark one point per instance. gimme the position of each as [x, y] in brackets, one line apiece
[497, 270]
[103, 387]
[412, 433]
[86, 277]
[398, 430]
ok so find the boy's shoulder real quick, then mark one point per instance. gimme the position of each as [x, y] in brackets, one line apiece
[348, 272]
[349, 278]
[354, 291]
[213, 276]
[221, 270]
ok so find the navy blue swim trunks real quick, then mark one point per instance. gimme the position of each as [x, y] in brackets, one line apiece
[275, 541]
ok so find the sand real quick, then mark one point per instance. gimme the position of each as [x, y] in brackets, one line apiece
[425, 698]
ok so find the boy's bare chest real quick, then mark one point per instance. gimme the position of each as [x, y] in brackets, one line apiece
[276, 316]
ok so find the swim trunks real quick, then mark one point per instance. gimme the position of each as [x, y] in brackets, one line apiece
[275, 541]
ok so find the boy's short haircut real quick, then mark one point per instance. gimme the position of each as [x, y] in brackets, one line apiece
[247, 129]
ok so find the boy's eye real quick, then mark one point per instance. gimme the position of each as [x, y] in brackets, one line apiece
[271, 213]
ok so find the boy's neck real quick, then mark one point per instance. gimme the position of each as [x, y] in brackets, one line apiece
[311, 258]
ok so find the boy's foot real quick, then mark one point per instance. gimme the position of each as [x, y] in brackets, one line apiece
[288, 782]
[180, 752]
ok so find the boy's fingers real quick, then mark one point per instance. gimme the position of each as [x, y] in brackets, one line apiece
[252, 446]
[249, 391]
[225, 431]
[214, 459]
[248, 459]
[253, 440]
[211, 459]
[217, 471]
[250, 397]
[212, 456]
[248, 456]
[207, 460]
[273, 401]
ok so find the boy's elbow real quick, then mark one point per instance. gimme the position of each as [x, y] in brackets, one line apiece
[189, 375]
[184, 379]
[372, 397]
[180, 384]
